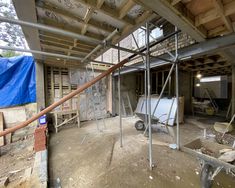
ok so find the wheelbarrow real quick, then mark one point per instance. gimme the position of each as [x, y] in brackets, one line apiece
[164, 113]
[208, 153]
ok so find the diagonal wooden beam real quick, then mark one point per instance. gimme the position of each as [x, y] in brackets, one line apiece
[126, 6]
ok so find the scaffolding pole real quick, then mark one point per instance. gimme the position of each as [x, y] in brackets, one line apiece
[119, 99]
[137, 52]
[149, 97]
[177, 90]
[41, 53]
[145, 80]
[42, 27]
[99, 46]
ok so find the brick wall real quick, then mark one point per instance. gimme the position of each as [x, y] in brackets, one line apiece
[112, 54]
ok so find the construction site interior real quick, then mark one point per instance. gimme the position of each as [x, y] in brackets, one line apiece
[119, 94]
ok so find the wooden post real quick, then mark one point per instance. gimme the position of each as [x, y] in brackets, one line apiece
[233, 90]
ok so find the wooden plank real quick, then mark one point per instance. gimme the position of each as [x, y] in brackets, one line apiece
[64, 13]
[220, 8]
[52, 47]
[214, 14]
[174, 2]
[87, 17]
[206, 17]
[100, 3]
[107, 10]
[125, 8]
[174, 15]
[1, 129]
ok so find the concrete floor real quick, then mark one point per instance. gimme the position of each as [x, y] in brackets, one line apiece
[87, 158]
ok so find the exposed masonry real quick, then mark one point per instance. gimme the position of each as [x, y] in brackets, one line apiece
[169, 44]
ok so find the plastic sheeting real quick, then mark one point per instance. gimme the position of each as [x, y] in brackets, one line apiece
[17, 81]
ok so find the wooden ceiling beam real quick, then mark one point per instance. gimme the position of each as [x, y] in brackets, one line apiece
[175, 16]
[125, 8]
[206, 17]
[174, 2]
[78, 48]
[86, 20]
[64, 50]
[220, 8]
[92, 23]
[218, 30]
[100, 3]
[58, 38]
[207, 68]
[213, 14]
[105, 9]
[54, 39]
[70, 28]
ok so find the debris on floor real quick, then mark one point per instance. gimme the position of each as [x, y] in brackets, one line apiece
[16, 162]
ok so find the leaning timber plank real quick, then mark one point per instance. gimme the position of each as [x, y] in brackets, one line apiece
[1, 129]
[78, 90]
[65, 98]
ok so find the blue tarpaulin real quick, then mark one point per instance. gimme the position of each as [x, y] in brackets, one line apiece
[17, 81]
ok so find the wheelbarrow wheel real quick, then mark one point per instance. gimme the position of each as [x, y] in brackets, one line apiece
[206, 174]
[139, 125]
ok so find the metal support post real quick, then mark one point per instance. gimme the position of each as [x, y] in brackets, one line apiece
[119, 99]
[177, 90]
[149, 97]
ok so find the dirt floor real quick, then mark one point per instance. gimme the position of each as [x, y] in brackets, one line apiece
[16, 162]
[84, 157]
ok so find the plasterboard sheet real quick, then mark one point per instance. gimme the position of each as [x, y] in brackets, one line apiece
[107, 20]
[115, 4]
[136, 11]
[72, 6]
[165, 107]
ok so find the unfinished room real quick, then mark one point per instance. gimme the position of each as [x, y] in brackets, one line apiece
[117, 93]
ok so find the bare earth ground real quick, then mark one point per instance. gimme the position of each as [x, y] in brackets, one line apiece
[15, 160]
[85, 158]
